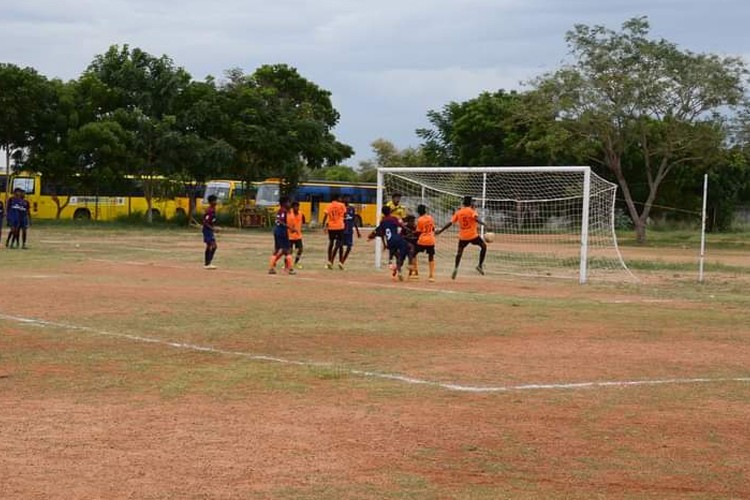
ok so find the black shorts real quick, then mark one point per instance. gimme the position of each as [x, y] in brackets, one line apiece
[296, 244]
[428, 249]
[336, 235]
[476, 241]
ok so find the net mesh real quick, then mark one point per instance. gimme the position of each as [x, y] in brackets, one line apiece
[536, 216]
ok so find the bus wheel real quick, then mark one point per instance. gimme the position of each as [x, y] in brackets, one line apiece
[180, 212]
[155, 213]
[82, 214]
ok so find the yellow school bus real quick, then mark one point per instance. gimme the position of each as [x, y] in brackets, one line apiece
[103, 204]
[314, 197]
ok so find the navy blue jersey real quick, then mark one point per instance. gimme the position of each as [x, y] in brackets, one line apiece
[209, 219]
[388, 229]
[281, 224]
[18, 209]
[349, 218]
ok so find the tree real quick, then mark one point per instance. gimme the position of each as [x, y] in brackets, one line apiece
[387, 155]
[279, 124]
[627, 93]
[23, 93]
[340, 173]
[50, 150]
[140, 92]
[477, 132]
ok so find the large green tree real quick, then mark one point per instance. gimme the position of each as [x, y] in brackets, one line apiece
[23, 95]
[141, 93]
[627, 96]
[279, 124]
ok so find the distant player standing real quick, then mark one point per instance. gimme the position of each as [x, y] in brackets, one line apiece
[468, 222]
[426, 238]
[209, 238]
[25, 219]
[282, 245]
[295, 220]
[17, 212]
[333, 223]
[389, 229]
[350, 226]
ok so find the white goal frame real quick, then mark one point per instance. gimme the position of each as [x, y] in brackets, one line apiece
[586, 171]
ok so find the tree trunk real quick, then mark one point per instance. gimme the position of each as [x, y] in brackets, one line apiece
[640, 231]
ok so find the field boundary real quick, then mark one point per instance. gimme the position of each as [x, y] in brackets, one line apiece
[454, 387]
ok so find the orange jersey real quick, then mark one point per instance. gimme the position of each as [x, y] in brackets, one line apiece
[426, 230]
[335, 212]
[466, 218]
[294, 224]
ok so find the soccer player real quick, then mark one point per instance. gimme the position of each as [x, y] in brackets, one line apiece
[294, 220]
[25, 220]
[389, 229]
[209, 227]
[468, 221]
[282, 245]
[426, 238]
[409, 233]
[16, 217]
[333, 223]
[397, 209]
[350, 225]
[2, 216]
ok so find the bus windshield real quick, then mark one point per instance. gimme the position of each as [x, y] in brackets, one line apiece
[219, 189]
[268, 195]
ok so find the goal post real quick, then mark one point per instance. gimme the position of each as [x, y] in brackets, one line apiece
[548, 221]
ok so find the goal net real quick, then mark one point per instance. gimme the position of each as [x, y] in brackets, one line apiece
[548, 221]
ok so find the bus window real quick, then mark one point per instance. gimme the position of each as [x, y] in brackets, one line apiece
[219, 189]
[25, 183]
[268, 195]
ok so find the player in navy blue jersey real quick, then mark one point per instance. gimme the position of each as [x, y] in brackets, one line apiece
[390, 230]
[17, 217]
[350, 226]
[2, 217]
[282, 247]
[209, 227]
[25, 219]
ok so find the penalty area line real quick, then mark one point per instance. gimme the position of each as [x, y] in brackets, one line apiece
[454, 387]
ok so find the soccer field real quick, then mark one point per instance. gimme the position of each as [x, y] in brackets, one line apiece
[126, 370]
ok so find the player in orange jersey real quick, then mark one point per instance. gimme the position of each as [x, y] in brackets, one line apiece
[333, 223]
[294, 221]
[468, 233]
[425, 238]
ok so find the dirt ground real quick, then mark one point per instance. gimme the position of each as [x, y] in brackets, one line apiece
[127, 371]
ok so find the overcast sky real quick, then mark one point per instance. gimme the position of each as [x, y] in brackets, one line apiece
[387, 62]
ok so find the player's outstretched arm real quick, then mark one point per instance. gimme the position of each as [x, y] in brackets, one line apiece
[437, 233]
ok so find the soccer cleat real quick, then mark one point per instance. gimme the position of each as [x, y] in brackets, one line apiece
[291, 271]
[432, 279]
[298, 265]
[329, 265]
[480, 270]
[24, 247]
[341, 266]
[454, 273]
[272, 270]
[209, 267]
[401, 276]
[414, 277]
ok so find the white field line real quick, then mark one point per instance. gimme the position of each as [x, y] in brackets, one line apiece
[370, 374]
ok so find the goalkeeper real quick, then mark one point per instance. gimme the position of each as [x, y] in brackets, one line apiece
[468, 223]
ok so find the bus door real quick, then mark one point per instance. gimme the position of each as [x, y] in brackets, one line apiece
[315, 200]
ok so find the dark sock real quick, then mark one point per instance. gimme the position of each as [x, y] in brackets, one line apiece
[207, 256]
[482, 255]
